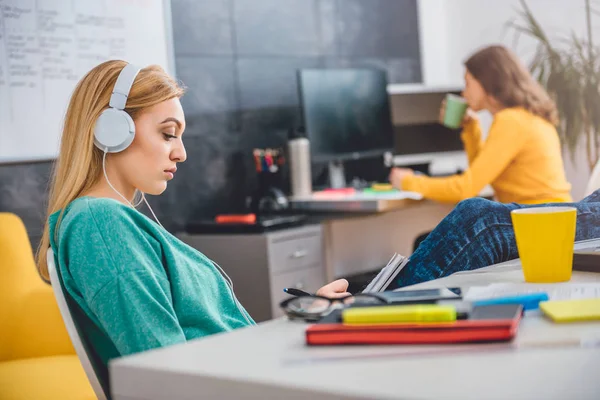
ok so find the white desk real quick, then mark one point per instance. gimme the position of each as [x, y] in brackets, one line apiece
[358, 202]
[270, 361]
[361, 202]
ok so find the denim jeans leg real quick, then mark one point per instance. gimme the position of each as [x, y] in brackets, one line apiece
[478, 233]
[592, 198]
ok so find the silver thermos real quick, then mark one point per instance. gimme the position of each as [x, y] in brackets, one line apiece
[299, 155]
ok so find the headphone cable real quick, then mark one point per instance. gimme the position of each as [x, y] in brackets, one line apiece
[123, 197]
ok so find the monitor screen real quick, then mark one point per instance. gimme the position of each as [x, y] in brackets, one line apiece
[346, 113]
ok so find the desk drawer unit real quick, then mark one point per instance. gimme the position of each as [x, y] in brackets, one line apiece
[292, 251]
[262, 264]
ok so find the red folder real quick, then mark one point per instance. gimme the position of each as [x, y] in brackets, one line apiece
[461, 331]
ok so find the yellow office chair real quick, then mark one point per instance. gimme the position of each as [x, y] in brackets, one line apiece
[37, 360]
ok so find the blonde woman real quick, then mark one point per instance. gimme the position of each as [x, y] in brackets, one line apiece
[132, 284]
[521, 157]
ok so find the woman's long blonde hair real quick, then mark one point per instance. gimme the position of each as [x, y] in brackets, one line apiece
[79, 164]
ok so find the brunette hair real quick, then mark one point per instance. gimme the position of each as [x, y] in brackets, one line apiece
[505, 78]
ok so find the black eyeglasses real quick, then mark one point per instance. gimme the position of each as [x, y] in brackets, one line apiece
[313, 307]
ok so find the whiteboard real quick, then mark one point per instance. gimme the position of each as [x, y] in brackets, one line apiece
[46, 46]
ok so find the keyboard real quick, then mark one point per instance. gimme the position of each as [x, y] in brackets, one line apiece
[264, 223]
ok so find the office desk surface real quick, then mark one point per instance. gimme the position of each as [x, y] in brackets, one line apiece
[357, 202]
[272, 361]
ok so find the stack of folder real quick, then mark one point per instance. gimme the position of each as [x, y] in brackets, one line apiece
[416, 324]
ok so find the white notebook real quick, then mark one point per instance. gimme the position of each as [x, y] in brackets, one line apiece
[387, 275]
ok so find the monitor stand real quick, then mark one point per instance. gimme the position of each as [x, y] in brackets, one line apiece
[337, 179]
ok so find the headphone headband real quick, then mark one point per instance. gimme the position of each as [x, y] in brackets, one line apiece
[123, 86]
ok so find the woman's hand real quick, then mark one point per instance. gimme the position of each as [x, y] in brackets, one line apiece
[470, 115]
[397, 175]
[335, 289]
[442, 112]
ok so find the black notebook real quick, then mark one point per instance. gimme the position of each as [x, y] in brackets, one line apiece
[587, 260]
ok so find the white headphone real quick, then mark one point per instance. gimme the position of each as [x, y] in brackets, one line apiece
[115, 130]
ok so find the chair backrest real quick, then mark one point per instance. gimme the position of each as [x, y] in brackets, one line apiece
[594, 181]
[26, 307]
[72, 328]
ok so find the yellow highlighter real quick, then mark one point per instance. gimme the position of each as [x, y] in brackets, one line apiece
[399, 314]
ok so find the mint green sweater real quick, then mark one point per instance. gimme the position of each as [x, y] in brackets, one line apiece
[137, 286]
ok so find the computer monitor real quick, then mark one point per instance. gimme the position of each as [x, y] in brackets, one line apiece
[419, 137]
[346, 114]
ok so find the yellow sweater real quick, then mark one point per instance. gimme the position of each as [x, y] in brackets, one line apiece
[521, 159]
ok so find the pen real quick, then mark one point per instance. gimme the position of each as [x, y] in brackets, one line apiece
[296, 292]
[256, 154]
[529, 301]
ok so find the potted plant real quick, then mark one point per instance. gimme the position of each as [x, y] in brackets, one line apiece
[570, 71]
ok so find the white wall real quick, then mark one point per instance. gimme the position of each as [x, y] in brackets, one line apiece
[433, 31]
[453, 29]
[474, 23]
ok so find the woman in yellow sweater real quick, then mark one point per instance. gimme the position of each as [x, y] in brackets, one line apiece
[521, 157]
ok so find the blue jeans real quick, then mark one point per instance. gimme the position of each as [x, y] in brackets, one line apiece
[478, 233]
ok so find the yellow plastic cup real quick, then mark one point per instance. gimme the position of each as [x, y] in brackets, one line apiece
[545, 240]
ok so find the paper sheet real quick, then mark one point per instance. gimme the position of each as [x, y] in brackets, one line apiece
[388, 273]
[555, 291]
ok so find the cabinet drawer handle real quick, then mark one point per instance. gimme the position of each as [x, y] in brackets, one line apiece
[299, 254]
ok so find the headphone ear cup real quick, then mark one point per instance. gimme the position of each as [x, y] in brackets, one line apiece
[114, 130]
